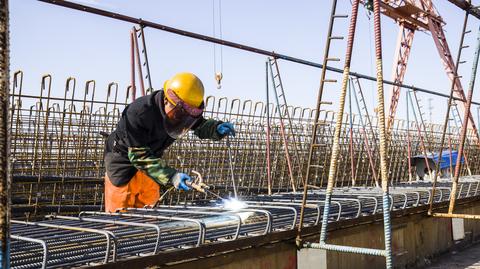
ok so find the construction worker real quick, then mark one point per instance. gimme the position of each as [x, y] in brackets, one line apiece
[134, 167]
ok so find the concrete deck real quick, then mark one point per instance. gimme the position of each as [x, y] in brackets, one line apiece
[465, 259]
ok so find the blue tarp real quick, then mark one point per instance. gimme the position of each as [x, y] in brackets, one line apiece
[444, 160]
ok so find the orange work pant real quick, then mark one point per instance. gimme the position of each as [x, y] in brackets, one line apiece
[140, 191]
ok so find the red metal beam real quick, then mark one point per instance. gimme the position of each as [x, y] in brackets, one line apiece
[467, 6]
[402, 53]
[423, 14]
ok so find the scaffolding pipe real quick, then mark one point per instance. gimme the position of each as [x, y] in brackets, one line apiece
[365, 136]
[338, 125]
[447, 115]
[335, 150]
[282, 128]
[147, 66]
[139, 62]
[350, 138]
[315, 121]
[269, 174]
[419, 132]
[409, 144]
[132, 63]
[227, 43]
[464, 129]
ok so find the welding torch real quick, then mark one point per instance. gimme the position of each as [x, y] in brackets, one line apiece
[196, 184]
[199, 186]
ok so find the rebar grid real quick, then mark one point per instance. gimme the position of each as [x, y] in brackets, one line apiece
[94, 237]
[57, 145]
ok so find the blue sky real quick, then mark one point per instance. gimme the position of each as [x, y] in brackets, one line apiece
[64, 43]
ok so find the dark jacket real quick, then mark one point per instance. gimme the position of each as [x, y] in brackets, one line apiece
[140, 139]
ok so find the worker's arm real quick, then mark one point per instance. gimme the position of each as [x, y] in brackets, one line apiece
[138, 127]
[156, 168]
[212, 129]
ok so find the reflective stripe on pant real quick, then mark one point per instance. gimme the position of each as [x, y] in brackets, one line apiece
[141, 190]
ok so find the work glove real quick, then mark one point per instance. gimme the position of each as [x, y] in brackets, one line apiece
[180, 180]
[226, 128]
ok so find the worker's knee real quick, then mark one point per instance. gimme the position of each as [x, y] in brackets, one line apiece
[140, 191]
[149, 190]
[116, 197]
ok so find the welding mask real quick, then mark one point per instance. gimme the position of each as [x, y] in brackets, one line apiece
[182, 117]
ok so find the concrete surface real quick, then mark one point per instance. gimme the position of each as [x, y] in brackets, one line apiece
[466, 259]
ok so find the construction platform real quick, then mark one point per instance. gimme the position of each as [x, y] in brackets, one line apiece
[95, 238]
[57, 191]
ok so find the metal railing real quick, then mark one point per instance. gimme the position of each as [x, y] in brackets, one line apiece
[94, 237]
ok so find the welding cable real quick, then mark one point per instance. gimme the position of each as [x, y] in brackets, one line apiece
[163, 196]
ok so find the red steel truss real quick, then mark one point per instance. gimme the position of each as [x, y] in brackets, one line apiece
[419, 15]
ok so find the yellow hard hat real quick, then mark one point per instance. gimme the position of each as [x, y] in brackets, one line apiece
[187, 86]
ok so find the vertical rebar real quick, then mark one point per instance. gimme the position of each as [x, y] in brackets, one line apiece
[383, 138]
[282, 128]
[230, 161]
[450, 153]
[139, 62]
[269, 174]
[409, 145]
[365, 134]
[419, 131]
[291, 129]
[132, 63]
[447, 115]
[352, 160]
[4, 136]
[339, 122]
[315, 119]
[478, 115]
[147, 66]
[464, 128]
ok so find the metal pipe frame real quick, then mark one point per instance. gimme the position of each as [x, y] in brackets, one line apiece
[199, 224]
[114, 222]
[37, 241]
[193, 35]
[268, 215]
[110, 239]
[239, 223]
[462, 140]
[335, 150]
[72, 166]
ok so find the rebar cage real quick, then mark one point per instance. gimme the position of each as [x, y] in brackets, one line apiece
[58, 142]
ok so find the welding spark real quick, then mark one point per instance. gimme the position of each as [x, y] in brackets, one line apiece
[234, 204]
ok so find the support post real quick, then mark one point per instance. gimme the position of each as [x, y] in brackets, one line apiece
[4, 137]
[447, 115]
[466, 117]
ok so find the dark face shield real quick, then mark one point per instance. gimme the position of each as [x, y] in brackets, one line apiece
[181, 118]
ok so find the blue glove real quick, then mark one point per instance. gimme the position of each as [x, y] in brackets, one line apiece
[179, 181]
[226, 128]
